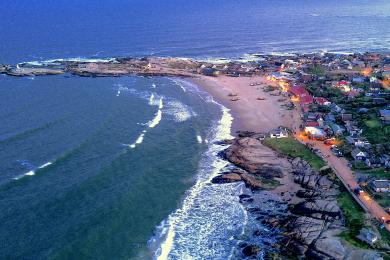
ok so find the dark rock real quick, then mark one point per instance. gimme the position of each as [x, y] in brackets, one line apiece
[306, 229]
[245, 198]
[226, 178]
[307, 194]
[245, 133]
[251, 250]
[320, 209]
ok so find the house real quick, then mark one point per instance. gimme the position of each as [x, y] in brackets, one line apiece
[353, 129]
[350, 139]
[322, 101]
[346, 117]
[385, 115]
[362, 143]
[330, 118]
[358, 80]
[385, 160]
[305, 77]
[311, 117]
[363, 110]
[358, 154]
[306, 100]
[312, 124]
[367, 236]
[279, 133]
[210, 72]
[315, 133]
[380, 185]
[335, 108]
[337, 129]
[344, 86]
[373, 162]
[379, 101]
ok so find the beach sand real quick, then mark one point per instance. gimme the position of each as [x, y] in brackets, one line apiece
[249, 113]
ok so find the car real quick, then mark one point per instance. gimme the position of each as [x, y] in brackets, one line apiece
[336, 151]
[358, 190]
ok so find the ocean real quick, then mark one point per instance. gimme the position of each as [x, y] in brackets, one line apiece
[120, 168]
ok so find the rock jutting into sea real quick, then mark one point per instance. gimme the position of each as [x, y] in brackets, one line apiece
[312, 221]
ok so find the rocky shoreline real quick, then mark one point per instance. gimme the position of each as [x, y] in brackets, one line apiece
[306, 219]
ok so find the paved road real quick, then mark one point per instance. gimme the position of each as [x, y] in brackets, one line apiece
[346, 175]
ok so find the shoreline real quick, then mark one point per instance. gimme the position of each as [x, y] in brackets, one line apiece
[249, 113]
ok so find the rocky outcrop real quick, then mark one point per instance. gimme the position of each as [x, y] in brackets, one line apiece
[307, 228]
[257, 165]
[318, 209]
[227, 178]
[251, 155]
[251, 250]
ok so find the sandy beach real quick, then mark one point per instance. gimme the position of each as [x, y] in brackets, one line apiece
[249, 113]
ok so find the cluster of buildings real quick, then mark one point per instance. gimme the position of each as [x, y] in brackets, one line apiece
[336, 94]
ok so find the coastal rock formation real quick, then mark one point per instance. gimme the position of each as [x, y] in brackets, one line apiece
[257, 165]
[227, 178]
[251, 155]
[309, 227]
[306, 229]
[319, 209]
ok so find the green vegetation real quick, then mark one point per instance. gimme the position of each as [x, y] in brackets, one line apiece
[373, 123]
[354, 217]
[377, 135]
[269, 88]
[377, 173]
[358, 165]
[317, 70]
[291, 147]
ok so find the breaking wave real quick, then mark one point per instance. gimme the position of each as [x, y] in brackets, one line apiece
[33, 172]
[158, 116]
[151, 124]
[210, 218]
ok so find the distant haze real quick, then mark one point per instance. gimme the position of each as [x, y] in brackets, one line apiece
[38, 29]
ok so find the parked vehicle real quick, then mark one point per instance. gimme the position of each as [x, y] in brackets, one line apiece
[358, 190]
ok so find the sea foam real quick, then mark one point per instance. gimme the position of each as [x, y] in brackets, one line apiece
[33, 172]
[202, 228]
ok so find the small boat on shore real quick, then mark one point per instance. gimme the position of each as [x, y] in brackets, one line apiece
[233, 95]
[261, 98]
[234, 99]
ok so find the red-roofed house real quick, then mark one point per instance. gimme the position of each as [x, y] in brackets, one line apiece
[306, 99]
[322, 101]
[298, 91]
[343, 83]
[312, 124]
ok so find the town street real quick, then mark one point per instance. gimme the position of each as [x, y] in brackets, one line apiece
[345, 174]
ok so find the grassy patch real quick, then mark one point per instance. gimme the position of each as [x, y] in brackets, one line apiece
[317, 70]
[373, 123]
[354, 217]
[291, 147]
[377, 173]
